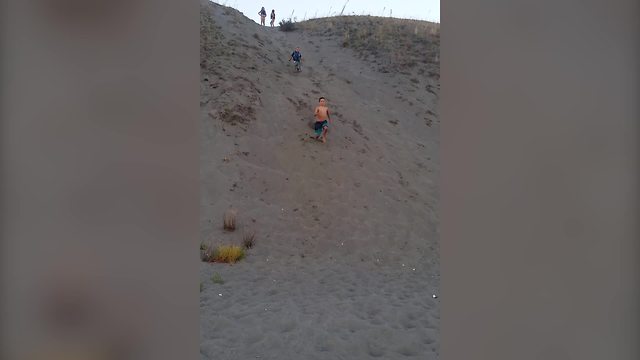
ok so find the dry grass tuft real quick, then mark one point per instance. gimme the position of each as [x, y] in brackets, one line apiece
[228, 254]
[287, 25]
[229, 221]
[206, 252]
[248, 240]
[217, 279]
[223, 254]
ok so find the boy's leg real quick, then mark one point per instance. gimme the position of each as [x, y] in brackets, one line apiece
[325, 130]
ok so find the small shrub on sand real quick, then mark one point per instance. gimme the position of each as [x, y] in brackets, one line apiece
[228, 254]
[248, 240]
[223, 253]
[206, 252]
[229, 221]
[287, 25]
[217, 279]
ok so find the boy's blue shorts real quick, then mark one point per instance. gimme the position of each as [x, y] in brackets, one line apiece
[319, 125]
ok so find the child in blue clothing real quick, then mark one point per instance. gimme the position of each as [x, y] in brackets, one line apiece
[296, 56]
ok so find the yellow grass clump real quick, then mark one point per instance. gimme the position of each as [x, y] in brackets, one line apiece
[223, 253]
[228, 254]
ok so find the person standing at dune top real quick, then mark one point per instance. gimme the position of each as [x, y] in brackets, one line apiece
[273, 17]
[263, 15]
[323, 118]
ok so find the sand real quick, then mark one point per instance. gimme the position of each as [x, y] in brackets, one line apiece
[345, 263]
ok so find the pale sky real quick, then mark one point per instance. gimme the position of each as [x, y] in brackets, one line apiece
[406, 9]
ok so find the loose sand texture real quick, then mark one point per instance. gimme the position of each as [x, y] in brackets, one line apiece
[346, 256]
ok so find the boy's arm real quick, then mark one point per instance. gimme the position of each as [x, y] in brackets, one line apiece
[329, 116]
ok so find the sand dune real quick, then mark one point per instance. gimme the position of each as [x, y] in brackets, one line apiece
[346, 256]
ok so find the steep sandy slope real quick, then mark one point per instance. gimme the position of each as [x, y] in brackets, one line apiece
[346, 255]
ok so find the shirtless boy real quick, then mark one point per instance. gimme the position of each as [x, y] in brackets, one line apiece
[322, 120]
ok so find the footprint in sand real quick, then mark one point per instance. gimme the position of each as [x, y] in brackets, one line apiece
[375, 348]
[287, 326]
[323, 343]
[410, 349]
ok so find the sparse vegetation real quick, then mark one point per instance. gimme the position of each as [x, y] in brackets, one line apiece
[229, 221]
[248, 240]
[287, 25]
[206, 252]
[211, 39]
[228, 254]
[217, 279]
[394, 44]
[223, 254]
